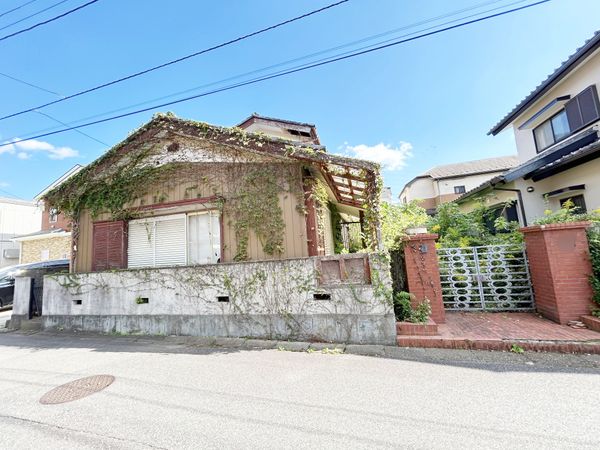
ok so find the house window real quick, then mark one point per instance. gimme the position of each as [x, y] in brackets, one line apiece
[579, 112]
[459, 189]
[53, 215]
[578, 202]
[174, 240]
[45, 255]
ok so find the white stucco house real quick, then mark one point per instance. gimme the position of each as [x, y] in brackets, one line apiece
[556, 130]
[442, 184]
[16, 217]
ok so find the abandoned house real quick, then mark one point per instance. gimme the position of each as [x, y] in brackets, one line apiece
[209, 221]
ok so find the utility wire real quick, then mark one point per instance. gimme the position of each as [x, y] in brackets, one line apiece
[35, 86]
[48, 115]
[321, 52]
[33, 15]
[16, 8]
[60, 16]
[283, 73]
[175, 61]
[76, 130]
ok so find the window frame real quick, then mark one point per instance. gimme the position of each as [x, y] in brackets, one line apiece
[53, 215]
[458, 191]
[556, 141]
[576, 99]
[186, 216]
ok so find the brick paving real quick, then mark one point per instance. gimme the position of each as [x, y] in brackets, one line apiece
[499, 331]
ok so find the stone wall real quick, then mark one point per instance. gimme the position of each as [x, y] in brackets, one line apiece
[284, 299]
[59, 247]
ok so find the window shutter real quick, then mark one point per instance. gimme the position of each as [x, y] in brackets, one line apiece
[170, 242]
[574, 114]
[588, 105]
[141, 243]
[109, 250]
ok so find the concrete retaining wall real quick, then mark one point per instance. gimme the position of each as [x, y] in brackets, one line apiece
[267, 299]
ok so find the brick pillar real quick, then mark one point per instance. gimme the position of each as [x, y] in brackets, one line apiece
[559, 262]
[423, 273]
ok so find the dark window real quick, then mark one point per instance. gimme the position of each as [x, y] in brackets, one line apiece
[459, 189]
[53, 215]
[579, 112]
[578, 202]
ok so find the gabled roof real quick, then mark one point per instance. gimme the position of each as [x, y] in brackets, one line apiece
[563, 70]
[475, 167]
[347, 177]
[65, 176]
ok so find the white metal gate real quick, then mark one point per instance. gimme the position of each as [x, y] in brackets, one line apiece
[487, 278]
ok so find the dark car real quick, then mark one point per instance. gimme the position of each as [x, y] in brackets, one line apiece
[8, 274]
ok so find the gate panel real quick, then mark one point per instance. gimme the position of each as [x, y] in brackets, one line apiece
[486, 278]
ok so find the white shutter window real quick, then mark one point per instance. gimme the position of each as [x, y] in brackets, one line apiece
[204, 238]
[157, 242]
[169, 249]
[140, 243]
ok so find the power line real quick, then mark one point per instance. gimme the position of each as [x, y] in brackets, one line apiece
[60, 16]
[321, 52]
[33, 15]
[175, 61]
[48, 115]
[16, 8]
[76, 130]
[18, 80]
[283, 73]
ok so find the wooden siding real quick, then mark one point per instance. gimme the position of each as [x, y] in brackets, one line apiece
[295, 243]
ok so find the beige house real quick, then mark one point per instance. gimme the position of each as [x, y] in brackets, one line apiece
[556, 131]
[446, 183]
[179, 192]
[53, 240]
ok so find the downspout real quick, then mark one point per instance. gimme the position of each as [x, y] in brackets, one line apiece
[520, 200]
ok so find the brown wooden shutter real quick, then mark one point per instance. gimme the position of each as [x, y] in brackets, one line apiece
[109, 245]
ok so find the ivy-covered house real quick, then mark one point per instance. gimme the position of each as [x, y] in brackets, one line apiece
[179, 192]
[193, 229]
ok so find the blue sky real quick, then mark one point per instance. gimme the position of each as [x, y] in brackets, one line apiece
[413, 106]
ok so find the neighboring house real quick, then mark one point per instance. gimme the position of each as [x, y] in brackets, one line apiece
[556, 130]
[16, 217]
[53, 241]
[443, 184]
[386, 194]
[224, 195]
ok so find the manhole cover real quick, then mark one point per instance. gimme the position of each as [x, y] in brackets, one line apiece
[76, 389]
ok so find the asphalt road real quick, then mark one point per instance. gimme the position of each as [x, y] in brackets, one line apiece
[170, 394]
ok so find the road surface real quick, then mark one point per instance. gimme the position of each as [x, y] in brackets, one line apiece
[171, 394]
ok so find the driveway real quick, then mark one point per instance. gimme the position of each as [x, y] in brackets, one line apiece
[169, 394]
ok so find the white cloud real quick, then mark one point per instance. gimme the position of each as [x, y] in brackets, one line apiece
[25, 149]
[391, 158]
[4, 184]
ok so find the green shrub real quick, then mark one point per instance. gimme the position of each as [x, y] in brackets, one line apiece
[594, 242]
[406, 313]
[402, 307]
[567, 213]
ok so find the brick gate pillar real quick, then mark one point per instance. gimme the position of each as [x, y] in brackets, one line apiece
[423, 273]
[559, 262]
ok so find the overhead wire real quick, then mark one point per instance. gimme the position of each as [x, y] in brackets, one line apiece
[17, 8]
[52, 19]
[321, 52]
[177, 60]
[286, 72]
